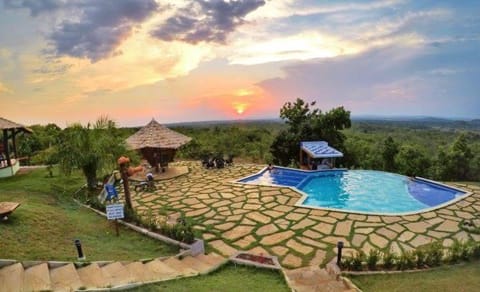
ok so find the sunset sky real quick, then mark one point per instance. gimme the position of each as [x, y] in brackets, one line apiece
[72, 61]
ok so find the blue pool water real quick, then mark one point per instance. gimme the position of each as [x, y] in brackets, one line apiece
[359, 190]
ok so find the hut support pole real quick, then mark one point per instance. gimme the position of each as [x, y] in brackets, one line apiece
[5, 147]
[124, 172]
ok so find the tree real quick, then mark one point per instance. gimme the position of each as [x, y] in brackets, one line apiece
[412, 161]
[90, 148]
[389, 151]
[305, 123]
[454, 163]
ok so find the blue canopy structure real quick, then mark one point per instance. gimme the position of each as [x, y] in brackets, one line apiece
[317, 150]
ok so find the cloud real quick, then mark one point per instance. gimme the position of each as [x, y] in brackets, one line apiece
[4, 89]
[97, 28]
[36, 7]
[207, 21]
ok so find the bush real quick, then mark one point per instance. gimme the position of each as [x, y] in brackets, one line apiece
[420, 256]
[406, 260]
[181, 231]
[372, 259]
[434, 254]
[357, 261]
[388, 259]
[346, 263]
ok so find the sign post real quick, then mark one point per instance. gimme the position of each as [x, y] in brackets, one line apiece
[114, 212]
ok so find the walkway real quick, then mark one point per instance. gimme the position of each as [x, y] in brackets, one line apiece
[264, 220]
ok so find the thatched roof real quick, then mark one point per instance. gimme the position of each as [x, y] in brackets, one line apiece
[7, 124]
[155, 135]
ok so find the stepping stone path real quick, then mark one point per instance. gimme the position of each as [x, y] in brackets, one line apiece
[264, 218]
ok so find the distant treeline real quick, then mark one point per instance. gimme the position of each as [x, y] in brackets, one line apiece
[434, 149]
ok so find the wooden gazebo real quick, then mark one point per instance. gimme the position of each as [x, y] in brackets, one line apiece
[9, 164]
[157, 143]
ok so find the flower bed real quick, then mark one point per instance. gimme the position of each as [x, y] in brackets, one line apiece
[260, 261]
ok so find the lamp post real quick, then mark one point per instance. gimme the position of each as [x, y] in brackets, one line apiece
[339, 253]
[78, 245]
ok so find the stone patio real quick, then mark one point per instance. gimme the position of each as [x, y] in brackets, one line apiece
[264, 219]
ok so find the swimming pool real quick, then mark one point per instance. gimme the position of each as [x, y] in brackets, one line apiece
[360, 191]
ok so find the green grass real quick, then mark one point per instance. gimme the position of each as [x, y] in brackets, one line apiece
[449, 278]
[229, 278]
[46, 224]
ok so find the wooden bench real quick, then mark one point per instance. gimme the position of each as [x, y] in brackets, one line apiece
[6, 208]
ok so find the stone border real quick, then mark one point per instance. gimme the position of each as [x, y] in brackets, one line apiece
[304, 195]
[276, 265]
[196, 248]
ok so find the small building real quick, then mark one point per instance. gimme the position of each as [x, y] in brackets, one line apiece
[157, 144]
[9, 160]
[317, 155]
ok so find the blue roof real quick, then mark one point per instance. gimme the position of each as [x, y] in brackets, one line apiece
[320, 149]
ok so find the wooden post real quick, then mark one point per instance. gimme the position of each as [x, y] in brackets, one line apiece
[14, 144]
[5, 147]
[116, 228]
[124, 172]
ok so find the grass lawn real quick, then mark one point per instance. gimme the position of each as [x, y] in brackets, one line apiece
[449, 278]
[229, 278]
[46, 224]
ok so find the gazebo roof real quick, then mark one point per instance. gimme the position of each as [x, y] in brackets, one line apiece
[7, 125]
[320, 149]
[154, 135]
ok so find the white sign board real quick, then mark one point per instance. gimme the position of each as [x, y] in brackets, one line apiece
[115, 211]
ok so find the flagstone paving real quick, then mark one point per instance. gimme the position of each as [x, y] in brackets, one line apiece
[265, 219]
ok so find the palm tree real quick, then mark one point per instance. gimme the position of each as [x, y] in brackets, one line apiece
[90, 148]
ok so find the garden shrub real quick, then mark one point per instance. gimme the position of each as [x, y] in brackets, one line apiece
[420, 258]
[357, 261]
[406, 260]
[372, 259]
[388, 259]
[346, 263]
[434, 254]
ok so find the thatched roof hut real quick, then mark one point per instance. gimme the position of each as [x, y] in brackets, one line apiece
[9, 161]
[157, 143]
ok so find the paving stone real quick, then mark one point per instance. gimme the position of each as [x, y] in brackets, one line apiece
[191, 201]
[312, 234]
[367, 247]
[391, 219]
[267, 199]
[258, 250]
[198, 206]
[447, 242]
[234, 218]
[337, 215]
[462, 236]
[406, 236]
[396, 227]
[238, 232]
[434, 221]
[326, 219]
[368, 224]
[298, 247]
[277, 237]
[437, 234]
[222, 247]
[411, 218]
[324, 228]
[294, 216]
[282, 199]
[417, 227]
[225, 226]
[378, 240]
[452, 218]
[445, 212]
[259, 217]
[271, 205]
[357, 217]
[273, 214]
[221, 203]
[246, 221]
[318, 258]
[302, 210]
[282, 223]
[267, 229]
[280, 250]
[420, 240]
[429, 215]
[343, 228]
[312, 242]
[374, 219]
[320, 213]
[364, 230]
[284, 209]
[227, 195]
[303, 224]
[406, 247]
[335, 239]
[208, 236]
[246, 241]
[292, 261]
[358, 240]
[197, 212]
[448, 226]
[252, 206]
[464, 215]
[395, 248]
[240, 211]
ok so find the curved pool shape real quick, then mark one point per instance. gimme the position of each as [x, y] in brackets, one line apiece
[361, 191]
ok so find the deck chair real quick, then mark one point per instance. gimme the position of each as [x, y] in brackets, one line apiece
[7, 208]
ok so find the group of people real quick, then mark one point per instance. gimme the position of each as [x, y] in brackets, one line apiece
[217, 162]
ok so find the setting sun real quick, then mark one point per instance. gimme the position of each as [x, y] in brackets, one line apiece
[240, 107]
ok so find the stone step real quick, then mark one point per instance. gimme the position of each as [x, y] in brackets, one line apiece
[212, 258]
[197, 264]
[181, 267]
[37, 278]
[92, 276]
[11, 278]
[65, 278]
[139, 272]
[116, 274]
[161, 270]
